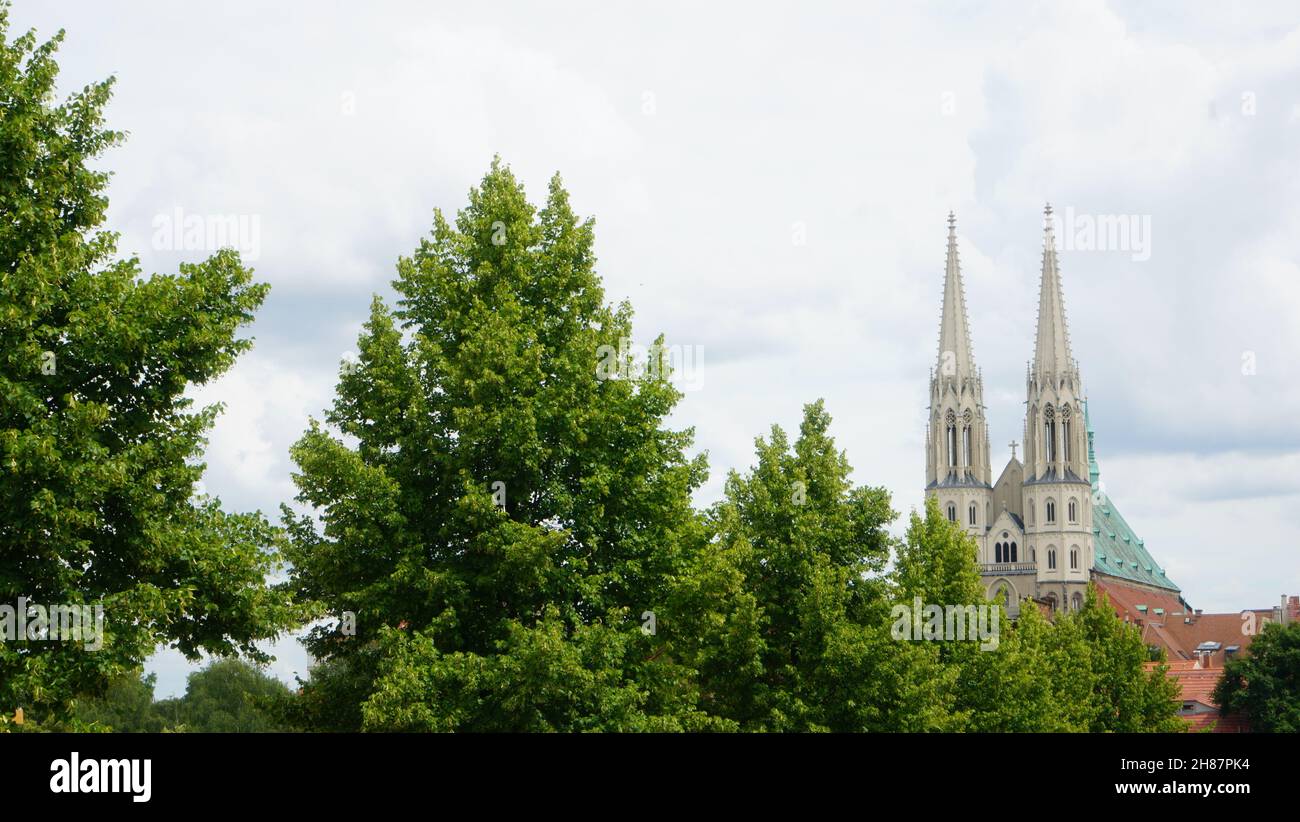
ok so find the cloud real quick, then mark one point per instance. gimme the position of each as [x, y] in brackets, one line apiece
[771, 183]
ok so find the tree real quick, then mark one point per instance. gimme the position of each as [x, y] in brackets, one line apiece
[126, 706]
[1264, 685]
[99, 449]
[784, 617]
[228, 696]
[508, 521]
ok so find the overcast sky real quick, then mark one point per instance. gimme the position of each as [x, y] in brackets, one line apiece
[771, 183]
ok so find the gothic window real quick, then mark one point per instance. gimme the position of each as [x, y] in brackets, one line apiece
[952, 512]
[972, 513]
[1033, 555]
[1051, 559]
[1065, 432]
[1077, 602]
[997, 552]
[1051, 602]
[965, 436]
[1049, 434]
[1074, 559]
[1074, 511]
[1013, 553]
[951, 437]
[1050, 509]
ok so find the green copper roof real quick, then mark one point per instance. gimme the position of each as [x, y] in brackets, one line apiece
[1117, 550]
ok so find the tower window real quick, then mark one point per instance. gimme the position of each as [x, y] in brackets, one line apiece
[1074, 511]
[952, 512]
[1074, 559]
[951, 438]
[1051, 511]
[1051, 559]
[1049, 434]
[965, 436]
[972, 513]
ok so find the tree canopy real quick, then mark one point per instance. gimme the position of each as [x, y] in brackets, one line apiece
[99, 448]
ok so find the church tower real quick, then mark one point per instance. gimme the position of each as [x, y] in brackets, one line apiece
[957, 442]
[1057, 498]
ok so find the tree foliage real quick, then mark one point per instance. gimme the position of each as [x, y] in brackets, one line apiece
[1264, 685]
[226, 696]
[496, 515]
[99, 449]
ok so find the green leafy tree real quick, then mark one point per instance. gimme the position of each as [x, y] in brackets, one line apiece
[1264, 685]
[1126, 697]
[506, 520]
[99, 449]
[785, 616]
[126, 706]
[228, 696]
[1029, 684]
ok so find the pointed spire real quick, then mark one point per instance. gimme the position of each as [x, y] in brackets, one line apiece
[955, 357]
[1052, 349]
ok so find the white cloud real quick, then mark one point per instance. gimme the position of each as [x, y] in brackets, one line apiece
[865, 125]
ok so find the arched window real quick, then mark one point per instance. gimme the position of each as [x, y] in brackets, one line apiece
[952, 512]
[1050, 508]
[1013, 553]
[1065, 432]
[1051, 559]
[952, 440]
[1076, 602]
[1033, 555]
[1049, 433]
[1074, 559]
[1031, 512]
[965, 442]
[1051, 602]
[1074, 511]
[997, 552]
[972, 513]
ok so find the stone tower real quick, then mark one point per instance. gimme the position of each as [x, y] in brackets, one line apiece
[1057, 498]
[957, 442]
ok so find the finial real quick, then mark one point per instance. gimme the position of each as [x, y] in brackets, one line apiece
[952, 224]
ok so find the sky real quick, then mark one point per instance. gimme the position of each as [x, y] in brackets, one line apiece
[771, 185]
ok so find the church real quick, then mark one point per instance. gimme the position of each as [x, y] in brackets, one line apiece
[1045, 527]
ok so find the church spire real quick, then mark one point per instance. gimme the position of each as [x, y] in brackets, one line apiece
[955, 357]
[1052, 349]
